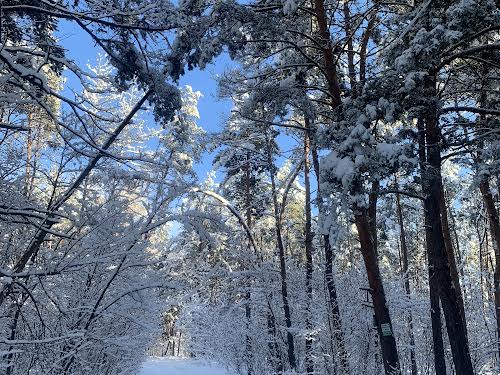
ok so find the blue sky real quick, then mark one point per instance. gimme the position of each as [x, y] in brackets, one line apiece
[213, 111]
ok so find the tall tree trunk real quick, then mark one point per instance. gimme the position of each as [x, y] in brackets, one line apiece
[9, 358]
[450, 251]
[309, 250]
[406, 279]
[365, 219]
[338, 332]
[29, 156]
[432, 261]
[334, 91]
[248, 310]
[494, 221]
[372, 212]
[369, 248]
[384, 325]
[493, 216]
[432, 189]
[328, 56]
[282, 260]
[273, 346]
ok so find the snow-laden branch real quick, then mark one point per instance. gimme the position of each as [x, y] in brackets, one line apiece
[46, 225]
[469, 51]
[233, 210]
[4, 125]
[48, 340]
[482, 111]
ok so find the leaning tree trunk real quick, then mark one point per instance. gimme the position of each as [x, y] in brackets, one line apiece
[384, 325]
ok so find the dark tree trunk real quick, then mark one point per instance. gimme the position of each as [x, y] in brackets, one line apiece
[327, 50]
[449, 295]
[273, 347]
[372, 213]
[282, 260]
[309, 250]
[437, 333]
[404, 270]
[9, 358]
[384, 325]
[494, 221]
[365, 219]
[338, 332]
[248, 309]
[450, 252]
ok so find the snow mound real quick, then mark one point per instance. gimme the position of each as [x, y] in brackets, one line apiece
[179, 366]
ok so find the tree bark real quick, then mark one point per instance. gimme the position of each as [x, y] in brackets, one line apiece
[450, 252]
[365, 219]
[248, 309]
[494, 221]
[432, 189]
[309, 251]
[330, 69]
[338, 332]
[437, 333]
[372, 213]
[9, 358]
[406, 279]
[282, 260]
[384, 325]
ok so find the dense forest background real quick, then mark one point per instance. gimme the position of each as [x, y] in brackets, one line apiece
[350, 221]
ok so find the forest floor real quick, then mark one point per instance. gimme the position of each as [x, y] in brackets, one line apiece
[180, 366]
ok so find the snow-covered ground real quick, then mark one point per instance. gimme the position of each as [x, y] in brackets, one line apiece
[179, 366]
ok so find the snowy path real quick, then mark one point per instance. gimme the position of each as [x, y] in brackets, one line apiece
[179, 366]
